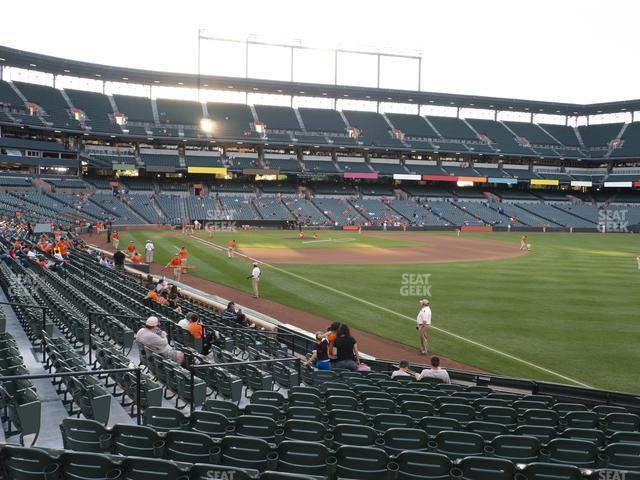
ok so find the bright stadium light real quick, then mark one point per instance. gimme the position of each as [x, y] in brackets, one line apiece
[207, 125]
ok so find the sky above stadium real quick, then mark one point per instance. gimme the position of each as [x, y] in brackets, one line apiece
[580, 51]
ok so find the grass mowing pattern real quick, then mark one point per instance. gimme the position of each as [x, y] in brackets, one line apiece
[569, 305]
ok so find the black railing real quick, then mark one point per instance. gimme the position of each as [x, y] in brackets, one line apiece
[202, 366]
[296, 342]
[40, 376]
[44, 318]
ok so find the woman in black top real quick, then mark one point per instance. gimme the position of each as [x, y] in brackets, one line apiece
[345, 349]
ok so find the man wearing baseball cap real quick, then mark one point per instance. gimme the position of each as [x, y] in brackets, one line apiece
[151, 337]
[423, 322]
[255, 279]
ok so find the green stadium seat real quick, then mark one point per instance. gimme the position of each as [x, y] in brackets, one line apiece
[257, 427]
[384, 421]
[434, 425]
[483, 402]
[306, 389]
[550, 471]
[576, 419]
[85, 436]
[503, 415]
[596, 436]
[450, 400]
[213, 424]
[487, 430]
[135, 440]
[625, 437]
[423, 465]
[456, 445]
[621, 422]
[361, 463]
[135, 468]
[304, 431]
[482, 468]
[397, 440]
[375, 406]
[88, 466]
[546, 399]
[22, 463]
[461, 413]
[523, 405]
[544, 434]
[540, 417]
[342, 403]
[189, 447]
[604, 410]
[416, 409]
[564, 408]
[350, 417]
[306, 458]
[517, 448]
[262, 410]
[268, 398]
[304, 413]
[165, 419]
[230, 410]
[355, 435]
[244, 452]
[304, 400]
[580, 453]
[622, 456]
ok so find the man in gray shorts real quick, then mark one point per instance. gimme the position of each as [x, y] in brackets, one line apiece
[151, 337]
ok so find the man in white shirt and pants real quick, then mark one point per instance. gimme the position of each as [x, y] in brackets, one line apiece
[255, 279]
[423, 322]
[148, 249]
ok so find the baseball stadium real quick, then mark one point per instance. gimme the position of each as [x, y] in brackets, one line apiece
[228, 276]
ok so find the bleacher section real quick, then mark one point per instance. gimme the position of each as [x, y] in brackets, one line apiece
[270, 207]
[322, 120]
[56, 108]
[374, 130]
[599, 135]
[452, 128]
[179, 112]
[412, 125]
[231, 120]
[630, 146]
[501, 138]
[305, 211]
[97, 109]
[278, 118]
[339, 210]
[9, 98]
[532, 132]
[565, 135]
[136, 109]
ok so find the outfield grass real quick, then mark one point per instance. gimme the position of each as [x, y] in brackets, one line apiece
[570, 305]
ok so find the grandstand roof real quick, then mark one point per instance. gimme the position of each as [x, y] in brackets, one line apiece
[60, 66]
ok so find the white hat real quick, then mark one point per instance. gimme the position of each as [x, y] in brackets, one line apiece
[424, 302]
[255, 264]
[152, 322]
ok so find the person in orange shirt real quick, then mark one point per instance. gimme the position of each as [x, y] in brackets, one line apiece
[136, 259]
[115, 239]
[183, 258]
[176, 264]
[131, 248]
[231, 248]
[523, 242]
[151, 296]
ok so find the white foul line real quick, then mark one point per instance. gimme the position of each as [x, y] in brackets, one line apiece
[384, 309]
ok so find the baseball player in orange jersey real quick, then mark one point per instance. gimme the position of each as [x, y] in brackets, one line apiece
[523, 242]
[176, 264]
[183, 258]
[638, 260]
[231, 248]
